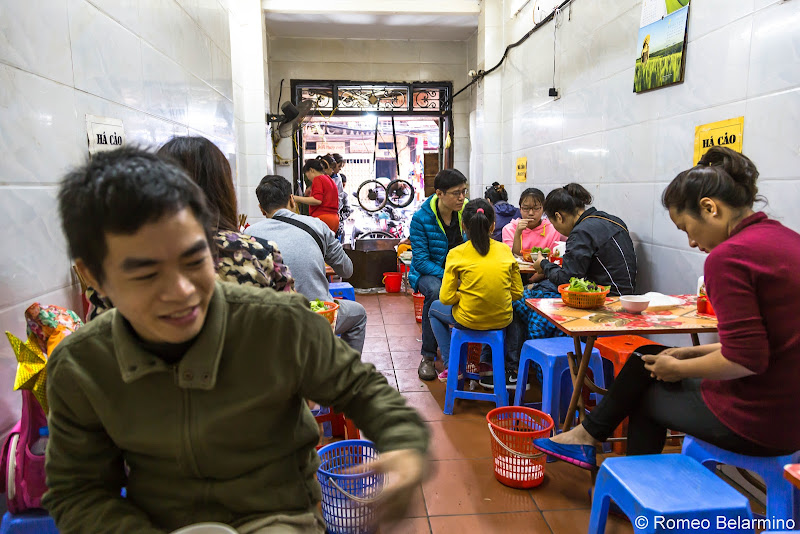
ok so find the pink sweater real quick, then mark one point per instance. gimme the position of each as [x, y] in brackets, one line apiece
[532, 238]
[754, 285]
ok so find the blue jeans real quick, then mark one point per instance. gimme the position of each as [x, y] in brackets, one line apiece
[441, 318]
[428, 286]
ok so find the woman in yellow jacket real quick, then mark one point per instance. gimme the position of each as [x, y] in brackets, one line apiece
[481, 279]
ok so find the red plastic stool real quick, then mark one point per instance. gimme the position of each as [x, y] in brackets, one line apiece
[341, 427]
[617, 350]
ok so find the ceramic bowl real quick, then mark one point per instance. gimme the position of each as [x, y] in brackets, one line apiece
[634, 303]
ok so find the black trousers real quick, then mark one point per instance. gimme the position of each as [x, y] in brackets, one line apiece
[653, 407]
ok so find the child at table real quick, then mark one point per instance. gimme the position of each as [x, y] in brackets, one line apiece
[532, 230]
[481, 279]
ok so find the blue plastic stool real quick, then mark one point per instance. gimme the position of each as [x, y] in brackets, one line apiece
[666, 487]
[551, 355]
[783, 499]
[30, 522]
[342, 290]
[458, 360]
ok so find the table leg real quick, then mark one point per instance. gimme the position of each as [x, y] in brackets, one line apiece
[578, 378]
[695, 340]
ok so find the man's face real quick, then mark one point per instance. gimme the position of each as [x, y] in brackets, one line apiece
[453, 198]
[161, 278]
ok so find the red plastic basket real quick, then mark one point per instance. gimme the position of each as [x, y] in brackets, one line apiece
[330, 312]
[419, 301]
[512, 429]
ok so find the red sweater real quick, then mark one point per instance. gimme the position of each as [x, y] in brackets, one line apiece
[323, 188]
[754, 285]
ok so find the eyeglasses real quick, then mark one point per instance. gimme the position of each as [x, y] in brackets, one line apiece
[458, 193]
[531, 208]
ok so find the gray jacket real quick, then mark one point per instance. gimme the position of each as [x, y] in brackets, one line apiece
[302, 254]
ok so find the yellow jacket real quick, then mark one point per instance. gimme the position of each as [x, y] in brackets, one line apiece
[481, 288]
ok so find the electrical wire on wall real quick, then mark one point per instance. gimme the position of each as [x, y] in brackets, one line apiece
[482, 74]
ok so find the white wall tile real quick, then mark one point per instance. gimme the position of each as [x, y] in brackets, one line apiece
[775, 51]
[38, 128]
[166, 87]
[772, 134]
[710, 15]
[37, 40]
[782, 197]
[106, 58]
[630, 202]
[125, 12]
[221, 78]
[36, 261]
[631, 153]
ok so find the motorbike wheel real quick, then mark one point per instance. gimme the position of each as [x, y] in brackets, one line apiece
[399, 193]
[371, 196]
[375, 234]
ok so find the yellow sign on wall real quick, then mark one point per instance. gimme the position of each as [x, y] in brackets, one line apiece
[727, 133]
[522, 169]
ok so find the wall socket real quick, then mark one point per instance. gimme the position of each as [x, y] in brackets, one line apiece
[555, 93]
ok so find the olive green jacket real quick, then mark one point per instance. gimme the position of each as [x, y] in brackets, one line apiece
[224, 435]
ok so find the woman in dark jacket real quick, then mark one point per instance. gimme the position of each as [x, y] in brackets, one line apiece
[599, 248]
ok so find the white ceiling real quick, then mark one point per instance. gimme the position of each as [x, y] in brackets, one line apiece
[372, 26]
[439, 20]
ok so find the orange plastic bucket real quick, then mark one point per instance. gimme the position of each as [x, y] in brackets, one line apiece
[330, 312]
[513, 428]
[419, 302]
[392, 282]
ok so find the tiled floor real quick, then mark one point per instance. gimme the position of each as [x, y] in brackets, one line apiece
[461, 494]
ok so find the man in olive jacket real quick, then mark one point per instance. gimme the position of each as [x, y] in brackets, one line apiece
[191, 392]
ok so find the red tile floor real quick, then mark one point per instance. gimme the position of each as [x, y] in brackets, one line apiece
[461, 495]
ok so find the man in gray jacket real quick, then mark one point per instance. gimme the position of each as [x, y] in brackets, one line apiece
[307, 244]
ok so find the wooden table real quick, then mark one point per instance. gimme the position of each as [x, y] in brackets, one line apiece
[612, 320]
[792, 473]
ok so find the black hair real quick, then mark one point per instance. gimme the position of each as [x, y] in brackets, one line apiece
[273, 192]
[569, 200]
[532, 192]
[315, 164]
[492, 195]
[478, 216]
[329, 160]
[337, 157]
[210, 169]
[722, 174]
[447, 178]
[118, 192]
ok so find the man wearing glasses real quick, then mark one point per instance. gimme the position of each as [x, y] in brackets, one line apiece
[435, 229]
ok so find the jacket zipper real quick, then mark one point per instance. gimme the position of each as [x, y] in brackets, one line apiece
[186, 434]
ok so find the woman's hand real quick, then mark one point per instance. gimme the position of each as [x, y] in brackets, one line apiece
[537, 263]
[683, 353]
[663, 367]
[405, 469]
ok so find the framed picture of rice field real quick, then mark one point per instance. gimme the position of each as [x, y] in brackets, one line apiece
[661, 49]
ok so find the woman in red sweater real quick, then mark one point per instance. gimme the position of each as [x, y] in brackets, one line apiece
[323, 197]
[739, 394]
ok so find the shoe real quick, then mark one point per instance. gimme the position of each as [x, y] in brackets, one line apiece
[443, 376]
[426, 370]
[584, 456]
[511, 381]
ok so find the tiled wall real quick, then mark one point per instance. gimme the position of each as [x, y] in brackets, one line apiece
[742, 60]
[162, 66]
[375, 60]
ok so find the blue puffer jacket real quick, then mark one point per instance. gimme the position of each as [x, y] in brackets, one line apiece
[428, 242]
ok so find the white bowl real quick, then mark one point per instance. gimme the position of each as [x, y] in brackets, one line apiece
[634, 303]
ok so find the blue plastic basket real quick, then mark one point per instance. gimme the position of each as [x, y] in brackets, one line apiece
[348, 499]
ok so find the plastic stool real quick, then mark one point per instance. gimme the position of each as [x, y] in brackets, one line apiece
[30, 522]
[551, 355]
[342, 290]
[783, 499]
[459, 340]
[665, 487]
[617, 350]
